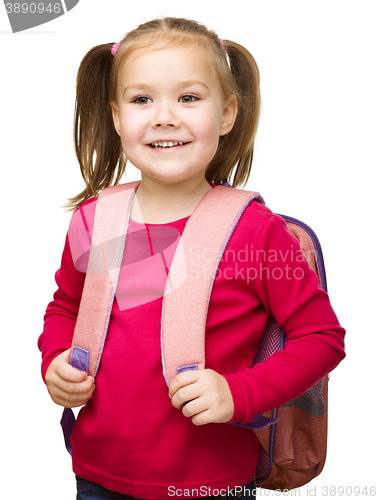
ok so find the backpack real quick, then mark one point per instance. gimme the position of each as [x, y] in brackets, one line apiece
[292, 437]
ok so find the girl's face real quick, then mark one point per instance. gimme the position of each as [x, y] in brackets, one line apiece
[170, 113]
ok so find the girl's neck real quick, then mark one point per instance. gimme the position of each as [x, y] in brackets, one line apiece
[168, 202]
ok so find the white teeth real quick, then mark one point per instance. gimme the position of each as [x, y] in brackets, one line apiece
[169, 144]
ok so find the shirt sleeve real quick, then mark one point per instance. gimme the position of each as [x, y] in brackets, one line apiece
[290, 292]
[61, 313]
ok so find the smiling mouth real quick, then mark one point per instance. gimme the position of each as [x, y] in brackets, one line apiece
[166, 145]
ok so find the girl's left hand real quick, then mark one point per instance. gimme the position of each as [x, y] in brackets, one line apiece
[208, 395]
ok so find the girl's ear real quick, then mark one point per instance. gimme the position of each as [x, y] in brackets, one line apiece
[230, 112]
[116, 117]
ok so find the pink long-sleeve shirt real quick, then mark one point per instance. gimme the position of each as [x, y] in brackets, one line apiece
[129, 438]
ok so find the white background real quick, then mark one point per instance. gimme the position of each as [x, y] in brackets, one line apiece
[315, 159]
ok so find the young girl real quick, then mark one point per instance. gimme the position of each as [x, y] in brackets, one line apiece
[183, 107]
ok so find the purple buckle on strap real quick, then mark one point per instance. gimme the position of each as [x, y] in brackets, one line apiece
[187, 368]
[258, 422]
[80, 359]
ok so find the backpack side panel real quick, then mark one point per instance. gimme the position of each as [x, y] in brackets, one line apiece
[293, 451]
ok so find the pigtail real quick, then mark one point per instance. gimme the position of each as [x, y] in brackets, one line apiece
[97, 145]
[236, 148]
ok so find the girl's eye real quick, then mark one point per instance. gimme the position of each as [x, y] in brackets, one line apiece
[188, 98]
[142, 100]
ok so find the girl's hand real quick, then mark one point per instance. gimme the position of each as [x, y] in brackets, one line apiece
[208, 395]
[68, 386]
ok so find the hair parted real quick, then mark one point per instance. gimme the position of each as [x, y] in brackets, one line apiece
[98, 146]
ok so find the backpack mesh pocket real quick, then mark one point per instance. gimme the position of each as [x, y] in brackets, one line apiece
[315, 393]
[270, 341]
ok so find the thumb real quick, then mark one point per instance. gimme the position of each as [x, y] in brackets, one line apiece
[71, 373]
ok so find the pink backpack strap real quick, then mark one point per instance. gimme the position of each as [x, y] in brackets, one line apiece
[190, 281]
[105, 258]
[191, 277]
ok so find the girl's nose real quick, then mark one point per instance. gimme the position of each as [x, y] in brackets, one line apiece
[165, 116]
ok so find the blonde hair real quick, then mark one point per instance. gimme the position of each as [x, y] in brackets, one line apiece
[97, 144]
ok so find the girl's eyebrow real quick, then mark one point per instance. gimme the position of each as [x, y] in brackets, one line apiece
[137, 86]
[147, 87]
[190, 83]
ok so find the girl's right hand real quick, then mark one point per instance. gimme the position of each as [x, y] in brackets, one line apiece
[68, 386]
